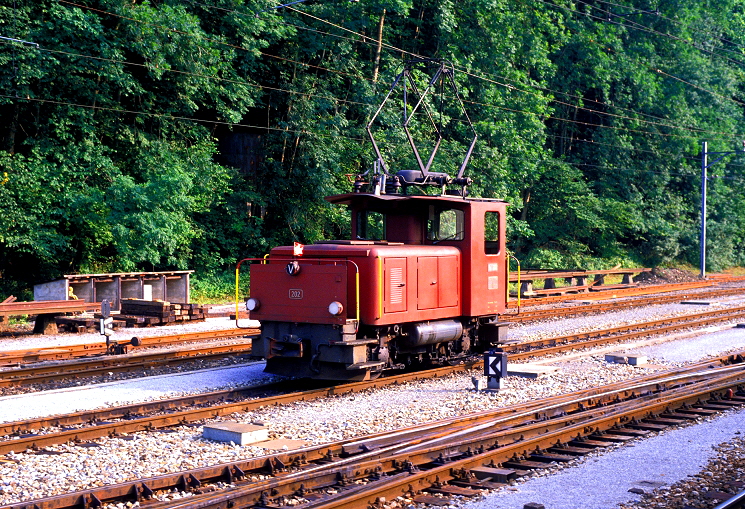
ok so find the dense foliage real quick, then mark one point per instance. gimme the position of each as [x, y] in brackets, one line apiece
[590, 117]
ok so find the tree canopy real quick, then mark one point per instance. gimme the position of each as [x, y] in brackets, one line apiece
[174, 134]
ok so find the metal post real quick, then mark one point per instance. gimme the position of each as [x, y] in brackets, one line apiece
[703, 209]
[704, 179]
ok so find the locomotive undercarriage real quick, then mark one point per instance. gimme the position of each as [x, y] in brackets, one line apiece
[351, 352]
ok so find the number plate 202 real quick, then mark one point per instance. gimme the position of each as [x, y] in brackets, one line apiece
[296, 294]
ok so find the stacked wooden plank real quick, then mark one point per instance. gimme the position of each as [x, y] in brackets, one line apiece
[84, 323]
[141, 313]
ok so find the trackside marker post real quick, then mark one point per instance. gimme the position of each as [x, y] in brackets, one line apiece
[107, 322]
[495, 368]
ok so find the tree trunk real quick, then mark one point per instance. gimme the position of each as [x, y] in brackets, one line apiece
[526, 201]
[379, 48]
[12, 130]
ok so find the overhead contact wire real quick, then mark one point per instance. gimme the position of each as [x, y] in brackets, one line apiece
[175, 117]
[390, 47]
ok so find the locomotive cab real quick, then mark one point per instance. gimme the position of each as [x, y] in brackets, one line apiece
[422, 280]
[474, 226]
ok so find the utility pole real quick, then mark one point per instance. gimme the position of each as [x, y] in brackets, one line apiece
[702, 242]
[704, 179]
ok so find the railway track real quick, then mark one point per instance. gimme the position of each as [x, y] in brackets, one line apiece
[23, 436]
[15, 358]
[457, 456]
[528, 349]
[143, 361]
[11, 358]
[160, 414]
[495, 455]
[623, 292]
[173, 412]
[615, 305]
[103, 365]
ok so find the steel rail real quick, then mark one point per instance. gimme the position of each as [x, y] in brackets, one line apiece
[538, 314]
[515, 352]
[171, 413]
[541, 439]
[527, 349]
[47, 307]
[87, 349]
[505, 437]
[623, 292]
[131, 423]
[23, 438]
[116, 364]
[736, 502]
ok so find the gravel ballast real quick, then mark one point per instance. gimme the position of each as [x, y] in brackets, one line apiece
[74, 399]
[604, 479]
[26, 476]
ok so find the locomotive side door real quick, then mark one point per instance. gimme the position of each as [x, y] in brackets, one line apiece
[485, 270]
[395, 285]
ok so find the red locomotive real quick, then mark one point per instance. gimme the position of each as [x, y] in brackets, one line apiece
[423, 279]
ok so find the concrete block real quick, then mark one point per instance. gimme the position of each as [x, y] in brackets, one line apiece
[529, 370]
[54, 290]
[626, 358]
[236, 432]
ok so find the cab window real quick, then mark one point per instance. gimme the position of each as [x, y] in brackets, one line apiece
[370, 225]
[445, 224]
[491, 233]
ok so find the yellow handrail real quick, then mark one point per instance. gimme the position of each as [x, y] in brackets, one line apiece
[507, 297]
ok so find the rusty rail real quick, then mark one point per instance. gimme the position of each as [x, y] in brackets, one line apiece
[89, 349]
[117, 364]
[420, 459]
[46, 307]
[527, 349]
[170, 413]
[615, 305]
[516, 352]
[627, 292]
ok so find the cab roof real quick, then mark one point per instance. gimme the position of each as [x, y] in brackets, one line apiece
[368, 199]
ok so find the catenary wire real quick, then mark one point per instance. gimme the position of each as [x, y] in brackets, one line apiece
[177, 117]
[480, 77]
[489, 79]
[391, 47]
[688, 27]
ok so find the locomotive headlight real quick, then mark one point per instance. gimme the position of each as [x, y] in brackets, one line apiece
[253, 304]
[336, 308]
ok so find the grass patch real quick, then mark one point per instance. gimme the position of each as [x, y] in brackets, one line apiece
[735, 271]
[218, 288]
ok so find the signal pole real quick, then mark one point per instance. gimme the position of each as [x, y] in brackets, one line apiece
[702, 242]
[704, 178]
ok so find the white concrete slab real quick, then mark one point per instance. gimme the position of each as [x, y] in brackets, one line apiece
[235, 432]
